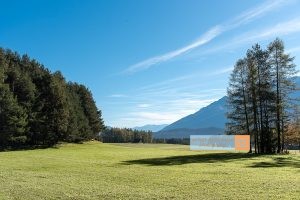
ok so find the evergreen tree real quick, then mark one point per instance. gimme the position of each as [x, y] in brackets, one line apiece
[258, 96]
[238, 101]
[78, 127]
[40, 108]
[283, 70]
[13, 119]
[125, 135]
[90, 109]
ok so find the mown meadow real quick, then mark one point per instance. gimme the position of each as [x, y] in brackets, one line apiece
[95, 170]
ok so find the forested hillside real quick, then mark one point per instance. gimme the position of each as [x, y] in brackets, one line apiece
[38, 107]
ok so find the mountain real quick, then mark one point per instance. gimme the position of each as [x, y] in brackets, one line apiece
[149, 127]
[213, 115]
[186, 132]
[209, 120]
[296, 94]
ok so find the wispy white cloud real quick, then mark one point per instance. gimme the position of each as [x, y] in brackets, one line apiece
[208, 36]
[171, 98]
[164, 117]
[280, 29]
[117, 95]
[291, 26]
[170, 81]
[256, 12]
[212, 33]
[176, 109]
[293, 50]
[143, 105]
[223, 71]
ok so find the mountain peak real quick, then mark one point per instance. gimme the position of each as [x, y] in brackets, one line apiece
[150, 127]
[213, 115]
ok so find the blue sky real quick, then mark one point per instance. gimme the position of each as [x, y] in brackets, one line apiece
[147, 62]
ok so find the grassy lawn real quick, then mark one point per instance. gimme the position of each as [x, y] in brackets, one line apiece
[150, 171]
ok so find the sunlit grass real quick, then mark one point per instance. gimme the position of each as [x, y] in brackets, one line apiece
[145, 171]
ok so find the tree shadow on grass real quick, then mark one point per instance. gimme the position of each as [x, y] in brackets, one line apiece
[214, 158]
[187, 159]
[278, 162]
[28, 148]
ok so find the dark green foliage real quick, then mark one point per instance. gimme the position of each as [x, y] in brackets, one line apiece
[78, 126]
[13, 119]
[38, 107]
[90, 109]
[125, 135]
[258, 94]
[184, 141]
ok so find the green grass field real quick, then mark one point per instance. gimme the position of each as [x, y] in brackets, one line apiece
[145, 171]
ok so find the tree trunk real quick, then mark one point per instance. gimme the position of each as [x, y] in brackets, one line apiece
[277, 106]
[246, 114]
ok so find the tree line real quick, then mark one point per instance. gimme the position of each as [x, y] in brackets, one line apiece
[184, 141]
[128, 135]
[38, 107]
[259, 100]
[125, 135]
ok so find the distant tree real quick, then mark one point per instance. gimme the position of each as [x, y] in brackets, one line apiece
[292, 136]
[125, 135]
